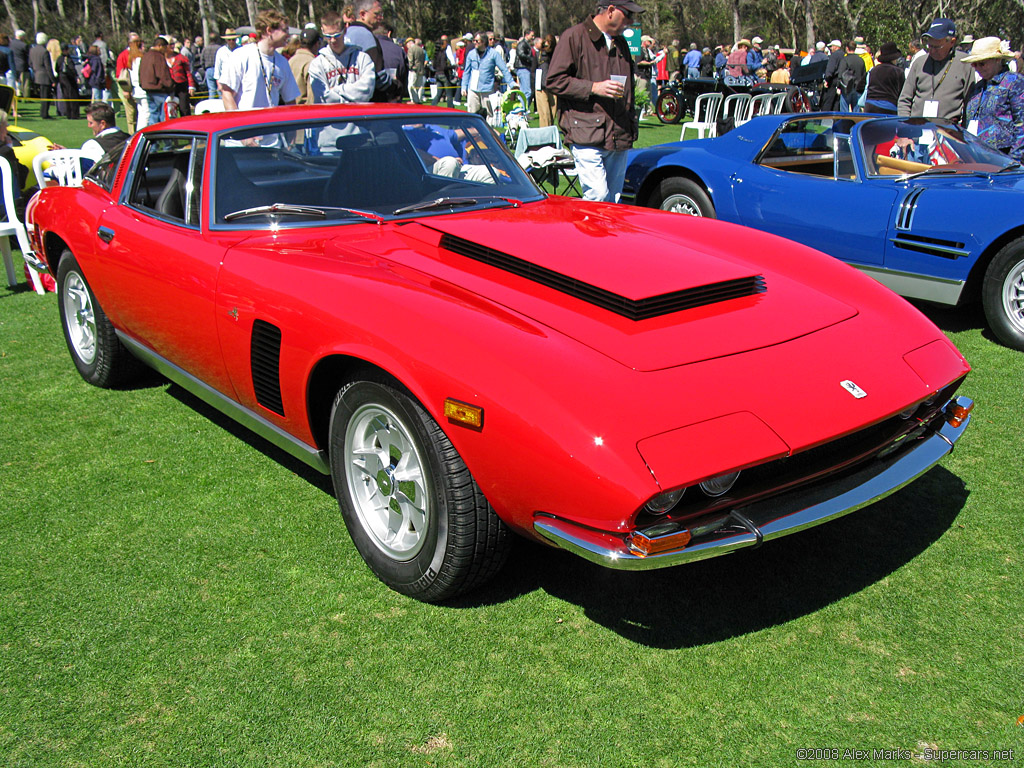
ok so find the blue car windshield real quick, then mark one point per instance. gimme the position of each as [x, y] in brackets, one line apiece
[350, 170]
[914, 145]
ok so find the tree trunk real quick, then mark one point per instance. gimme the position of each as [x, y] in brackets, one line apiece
[85, 11]
[809, 24]
[163, 17]
[524, 11]
[205, 21]
[250, 6]
[60, 9]
[114, 21]
[542, 17]
[736, 21]
[35, 16]
[498, 14]
[10, 15]
[312, 14]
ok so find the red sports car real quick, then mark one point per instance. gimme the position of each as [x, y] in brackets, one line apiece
[384, 293]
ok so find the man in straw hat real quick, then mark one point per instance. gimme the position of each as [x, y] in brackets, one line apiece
[937, 84]
[995, 104]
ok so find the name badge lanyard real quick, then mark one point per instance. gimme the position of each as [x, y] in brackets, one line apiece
[267, 78]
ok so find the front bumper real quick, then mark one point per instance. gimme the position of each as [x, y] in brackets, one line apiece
[771, 518]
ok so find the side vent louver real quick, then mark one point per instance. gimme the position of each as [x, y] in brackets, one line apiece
[265, 356]
[905, 215]
[634, 309]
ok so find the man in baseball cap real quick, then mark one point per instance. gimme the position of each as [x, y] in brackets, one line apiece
[937, 84]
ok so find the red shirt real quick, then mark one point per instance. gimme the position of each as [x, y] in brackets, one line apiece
[181, 72]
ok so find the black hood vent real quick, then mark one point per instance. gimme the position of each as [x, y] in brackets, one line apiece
[634, 309]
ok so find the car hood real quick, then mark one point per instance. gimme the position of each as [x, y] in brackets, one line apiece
[651, 290]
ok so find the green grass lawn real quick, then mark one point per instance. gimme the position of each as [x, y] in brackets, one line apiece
[176, 592]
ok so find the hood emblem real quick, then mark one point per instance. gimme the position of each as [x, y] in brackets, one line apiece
[853, 389]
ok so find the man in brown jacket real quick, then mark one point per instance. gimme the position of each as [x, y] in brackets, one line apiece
[155, 79]
[592, 73]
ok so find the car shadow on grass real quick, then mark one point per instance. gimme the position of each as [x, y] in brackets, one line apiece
[750, 590]
[264, 446]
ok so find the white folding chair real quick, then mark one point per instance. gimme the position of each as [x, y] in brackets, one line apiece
[208, 105]
[735, 106]
[65, 167]
[705, 115]
[14, 227]
[779, 103]
[759, 105]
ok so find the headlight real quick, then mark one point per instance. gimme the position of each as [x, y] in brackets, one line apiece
[720, 485]
[663, 502]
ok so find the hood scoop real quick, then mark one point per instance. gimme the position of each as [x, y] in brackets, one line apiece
[632, 309]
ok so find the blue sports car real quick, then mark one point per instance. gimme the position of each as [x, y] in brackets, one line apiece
[923, 207]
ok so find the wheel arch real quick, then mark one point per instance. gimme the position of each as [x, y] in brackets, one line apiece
[53, 248]
[328, 376]
[657, 175]
[972, 289]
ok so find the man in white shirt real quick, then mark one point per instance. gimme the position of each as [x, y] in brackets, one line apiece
[257, 75]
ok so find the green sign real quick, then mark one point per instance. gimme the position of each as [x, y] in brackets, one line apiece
[632, 36]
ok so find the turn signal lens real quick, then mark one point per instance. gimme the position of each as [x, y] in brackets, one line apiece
[464, 414]
[642, 545]
[957, 414]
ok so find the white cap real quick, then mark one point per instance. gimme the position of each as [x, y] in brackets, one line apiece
[757, 40]
[836, 44]
[819, 46]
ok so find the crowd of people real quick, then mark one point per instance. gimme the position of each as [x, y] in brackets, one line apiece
[585, 80]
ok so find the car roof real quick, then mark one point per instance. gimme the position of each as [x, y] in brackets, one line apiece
[219, 121]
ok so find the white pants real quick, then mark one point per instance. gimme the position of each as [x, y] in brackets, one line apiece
[601, 172]
[478, 102]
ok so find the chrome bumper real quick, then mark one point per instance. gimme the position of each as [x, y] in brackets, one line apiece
[36, 263]
[768, 519]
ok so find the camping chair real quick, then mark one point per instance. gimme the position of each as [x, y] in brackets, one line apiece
[13, 226]
[546, 166]
[705, 116]
[733, 109]
[208, 105]
[65, 167]
[759, 105]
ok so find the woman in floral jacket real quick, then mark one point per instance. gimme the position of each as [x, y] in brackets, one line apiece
[995, 105]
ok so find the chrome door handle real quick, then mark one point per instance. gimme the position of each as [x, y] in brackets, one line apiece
[105, 234]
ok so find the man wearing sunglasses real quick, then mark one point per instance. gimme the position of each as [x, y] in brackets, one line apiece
[592, 74]
[340, 73]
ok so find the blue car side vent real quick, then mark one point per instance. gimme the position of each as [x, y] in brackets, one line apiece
[905, 216]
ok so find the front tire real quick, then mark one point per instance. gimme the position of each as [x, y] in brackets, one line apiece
[669, 108]
[97, 353]
[1002, 294]
[680, 195]
[410, 504]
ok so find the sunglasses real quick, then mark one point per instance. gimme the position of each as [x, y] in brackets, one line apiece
[333, 36]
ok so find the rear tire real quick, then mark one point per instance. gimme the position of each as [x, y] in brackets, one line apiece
[1002, 294]
[680, 195]
[411, 506]
[97, 353]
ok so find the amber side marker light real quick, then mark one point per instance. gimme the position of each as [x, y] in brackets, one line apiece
[958, 413]
[464, 414]
[642, 545]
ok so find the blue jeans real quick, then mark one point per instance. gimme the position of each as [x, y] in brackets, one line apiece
[523, 75]
[692, 72]
[156, 103]
[849, 105]
[601, 172]
[211, 84]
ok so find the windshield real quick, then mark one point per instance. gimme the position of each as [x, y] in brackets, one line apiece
[915, 145]
[363, 169]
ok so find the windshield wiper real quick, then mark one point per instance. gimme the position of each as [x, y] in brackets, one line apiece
[453, 202]
[1014, 166]
[939, 170]
[298, 210]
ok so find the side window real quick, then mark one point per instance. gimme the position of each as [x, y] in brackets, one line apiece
[802, 146]
[105, 171]
[844, 167]
[168, 178]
